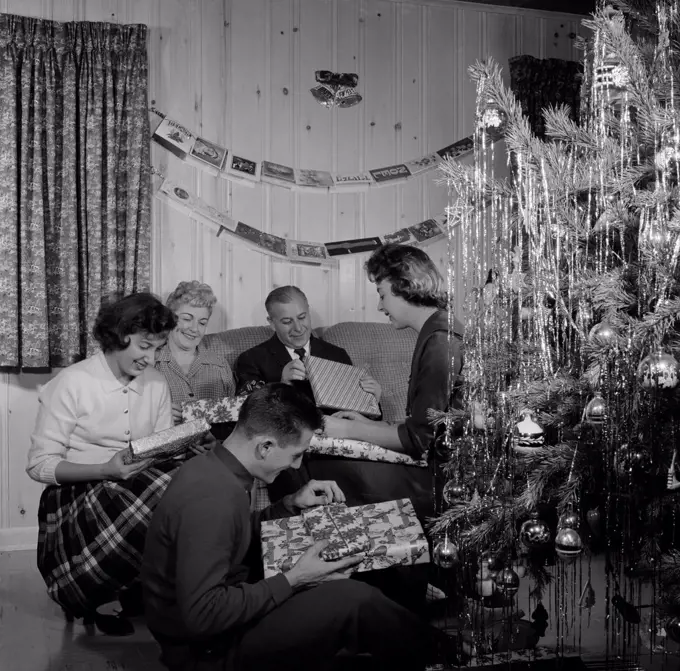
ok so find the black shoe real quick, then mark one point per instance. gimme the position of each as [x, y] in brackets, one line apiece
[113, 625]
[131, 601]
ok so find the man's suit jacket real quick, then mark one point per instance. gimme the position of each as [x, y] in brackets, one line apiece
[265, 362]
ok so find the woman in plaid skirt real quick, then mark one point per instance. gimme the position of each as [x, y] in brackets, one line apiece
[94, 514]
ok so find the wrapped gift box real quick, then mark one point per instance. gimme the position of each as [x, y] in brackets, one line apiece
[340, 526]
[394, 533]
[212, 411]
[359, 449]
[167, 443]
[336, 386]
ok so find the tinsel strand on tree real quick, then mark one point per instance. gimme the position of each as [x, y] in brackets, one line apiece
[572, 302]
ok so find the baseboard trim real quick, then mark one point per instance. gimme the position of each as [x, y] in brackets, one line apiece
[18, 538]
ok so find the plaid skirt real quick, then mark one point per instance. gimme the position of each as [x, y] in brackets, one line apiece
[91, 536]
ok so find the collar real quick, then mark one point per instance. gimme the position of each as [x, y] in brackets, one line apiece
[238, 470]
[204, 354]
[307, 349]
[111, 383]
[439, 321]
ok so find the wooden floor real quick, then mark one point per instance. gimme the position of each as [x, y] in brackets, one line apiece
[34, 635]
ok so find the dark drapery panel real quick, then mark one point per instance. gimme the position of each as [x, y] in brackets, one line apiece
[540, 83]
[75, 189]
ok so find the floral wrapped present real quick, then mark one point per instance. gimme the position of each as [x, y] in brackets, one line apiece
[395, 536]
[167, 443]
[212, 411]
[359, 449]
[340, 526]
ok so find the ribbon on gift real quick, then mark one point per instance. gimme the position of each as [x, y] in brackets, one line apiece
[359, 449]
[341, 526]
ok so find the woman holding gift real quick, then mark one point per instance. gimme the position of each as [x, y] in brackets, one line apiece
[94, 514]
[412, 294]
[194, 364]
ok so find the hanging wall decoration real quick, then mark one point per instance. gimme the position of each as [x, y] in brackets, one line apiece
[295, 251]
[211, 157]
[336, 89]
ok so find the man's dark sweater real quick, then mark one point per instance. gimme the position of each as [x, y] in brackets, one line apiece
[198, 544]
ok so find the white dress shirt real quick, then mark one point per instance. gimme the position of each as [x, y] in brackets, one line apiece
[294, 356]
[86, 415]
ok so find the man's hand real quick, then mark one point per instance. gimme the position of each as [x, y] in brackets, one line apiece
[311, 570]
[317, 493]
[207, 443]
[336, 427]
[371, 385]
[293, 370]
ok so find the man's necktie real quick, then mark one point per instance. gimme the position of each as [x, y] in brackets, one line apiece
[301, 353]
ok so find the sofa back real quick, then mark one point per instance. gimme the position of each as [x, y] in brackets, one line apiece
[381, 349]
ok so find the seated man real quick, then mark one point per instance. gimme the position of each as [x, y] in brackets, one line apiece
[203, 602]
[281, 359]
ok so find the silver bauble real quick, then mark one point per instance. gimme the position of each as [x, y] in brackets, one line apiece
[658, 370]
[528, 434]
[444, 553]
[454, 491]
[507, 581]
[603, 334]
[596, 410]
[534, 533]
[569, 520]
[568, 543]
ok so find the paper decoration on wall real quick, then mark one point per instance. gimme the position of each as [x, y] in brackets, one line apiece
[335, 89]
[295, 251]
[218, 161]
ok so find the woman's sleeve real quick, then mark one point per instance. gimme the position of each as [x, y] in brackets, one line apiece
[431, 390]
[164, 409]
[57, 417]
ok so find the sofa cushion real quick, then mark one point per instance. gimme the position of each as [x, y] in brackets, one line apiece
[386, 354]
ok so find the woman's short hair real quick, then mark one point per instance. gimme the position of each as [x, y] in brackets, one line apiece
[279, 410]
[411, 273]
[136, 313]
[193, 293]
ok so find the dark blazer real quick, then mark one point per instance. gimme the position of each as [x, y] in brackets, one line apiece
[265, 362]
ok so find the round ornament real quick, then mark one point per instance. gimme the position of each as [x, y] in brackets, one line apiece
[658, 370]
[445, 553]
[534, 533]
[568, 543]
[493, 118]
[672, 628]
[603, 334]
[596, 410]
[594, 519]
[568, 520]
[507, 581]
[454, 491]
[528, 435]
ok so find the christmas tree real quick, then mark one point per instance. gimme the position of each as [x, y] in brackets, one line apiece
[568, 446]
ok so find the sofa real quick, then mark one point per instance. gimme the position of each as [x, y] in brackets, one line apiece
[384, 351]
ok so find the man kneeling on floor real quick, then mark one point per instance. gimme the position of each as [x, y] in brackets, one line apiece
[206, 602]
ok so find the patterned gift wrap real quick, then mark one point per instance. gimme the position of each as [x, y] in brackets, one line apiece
[395, 537]
[213, 412]
[172, 441]
[336, 386]
[359, 449]
[339, 525]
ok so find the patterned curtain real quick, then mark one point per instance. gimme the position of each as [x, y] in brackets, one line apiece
[74, 182]
[538, 84]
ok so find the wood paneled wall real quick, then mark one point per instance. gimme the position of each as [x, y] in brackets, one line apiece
[239, 72]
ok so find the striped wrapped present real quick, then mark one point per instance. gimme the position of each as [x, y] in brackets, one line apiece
[336, 387]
